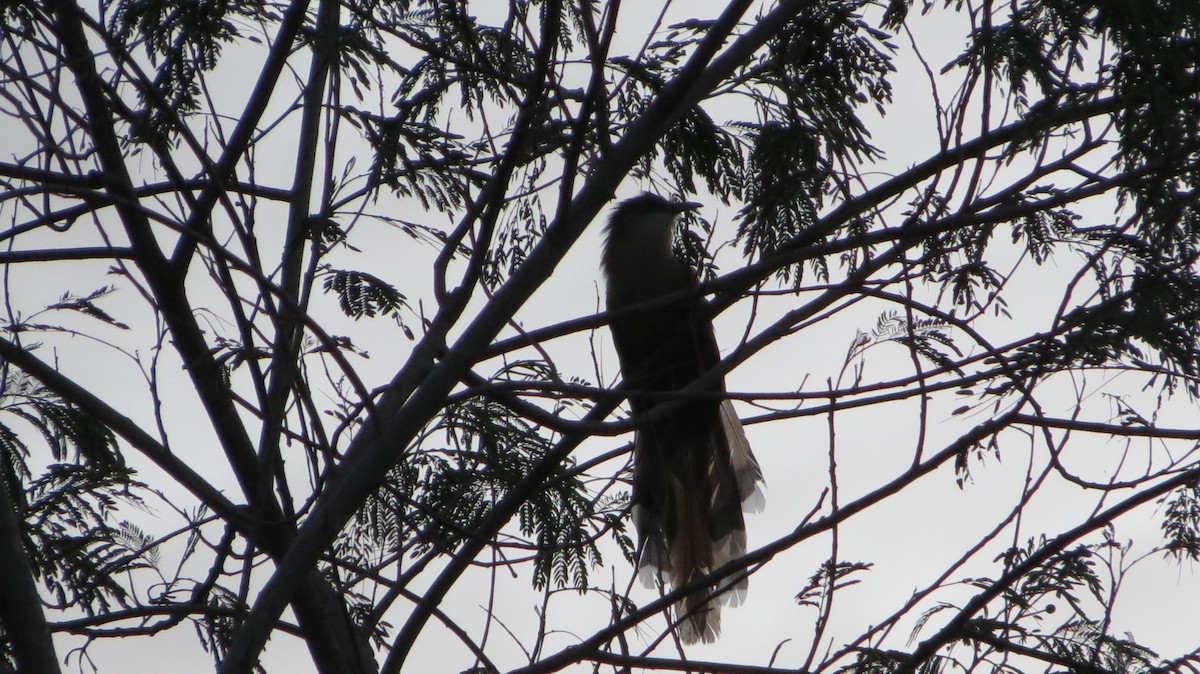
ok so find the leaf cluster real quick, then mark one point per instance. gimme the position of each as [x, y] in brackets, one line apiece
[1181, 523]
[438, 496]
[925, 336]
[1157, 316]
[1152, 69]
[75, 542]
[363, 295]
[829, 578]
[808, 84]
[182, 39]
[1061, 577]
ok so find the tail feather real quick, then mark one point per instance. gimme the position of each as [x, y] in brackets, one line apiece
[691, 483]
[745, 466]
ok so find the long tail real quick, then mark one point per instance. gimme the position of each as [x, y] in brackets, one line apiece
[694, 476]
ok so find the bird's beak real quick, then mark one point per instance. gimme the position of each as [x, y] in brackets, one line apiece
[684, 207]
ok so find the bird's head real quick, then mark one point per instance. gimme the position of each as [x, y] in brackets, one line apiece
[647, 217]
[640, 236]
[649, 206]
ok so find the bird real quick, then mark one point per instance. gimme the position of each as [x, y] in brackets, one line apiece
[693, 469]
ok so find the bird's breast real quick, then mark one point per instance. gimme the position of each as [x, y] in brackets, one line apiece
[637, 278]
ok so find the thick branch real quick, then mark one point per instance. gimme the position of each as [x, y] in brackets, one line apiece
[168, 290]
[21, 613]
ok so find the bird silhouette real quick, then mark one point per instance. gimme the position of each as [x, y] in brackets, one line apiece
[693, 470]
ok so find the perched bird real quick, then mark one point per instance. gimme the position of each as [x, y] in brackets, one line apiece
[692, 466]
